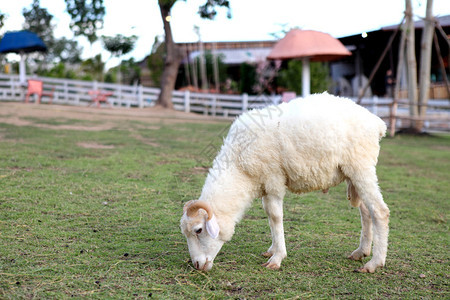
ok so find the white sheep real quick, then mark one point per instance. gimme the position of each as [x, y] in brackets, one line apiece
[305, 145]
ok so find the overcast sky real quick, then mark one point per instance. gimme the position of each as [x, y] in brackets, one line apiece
[251, 19]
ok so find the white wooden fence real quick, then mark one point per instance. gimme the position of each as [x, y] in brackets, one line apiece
[76, 92]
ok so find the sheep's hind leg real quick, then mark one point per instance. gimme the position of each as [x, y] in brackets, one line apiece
[366, 235]
[273, 206]
[367, 188]
[366, 224]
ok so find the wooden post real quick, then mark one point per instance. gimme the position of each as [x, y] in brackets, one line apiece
[411, 59]
[362, 91]
[425, 64]
[400, 66]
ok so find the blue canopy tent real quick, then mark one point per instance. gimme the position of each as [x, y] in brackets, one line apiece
[21, 42]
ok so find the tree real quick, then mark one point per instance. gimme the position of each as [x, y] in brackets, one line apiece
[87, 17]
[119, 45]
[130, 72]
[174, 55]
[291, 77]
[411, 60]
[39, 21]
[210, 59]
[93, 68]
[66, 51]
[155, 61]
[248, 78]
[2, 19]
[425, 64]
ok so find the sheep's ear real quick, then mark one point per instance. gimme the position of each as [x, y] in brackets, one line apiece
[213, 227]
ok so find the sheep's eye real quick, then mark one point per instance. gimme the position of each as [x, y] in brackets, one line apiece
[198, 231]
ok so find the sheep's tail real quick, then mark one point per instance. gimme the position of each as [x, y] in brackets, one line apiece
[382, 128]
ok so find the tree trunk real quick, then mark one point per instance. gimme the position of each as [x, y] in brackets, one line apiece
[172, 60]
[411, 62]
[425, 64]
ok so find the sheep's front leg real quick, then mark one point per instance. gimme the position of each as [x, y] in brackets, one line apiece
[277, 252]
[366, 235]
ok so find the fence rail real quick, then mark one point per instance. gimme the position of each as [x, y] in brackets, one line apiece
[76, 92]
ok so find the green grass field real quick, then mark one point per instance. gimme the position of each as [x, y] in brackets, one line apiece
[95, 214]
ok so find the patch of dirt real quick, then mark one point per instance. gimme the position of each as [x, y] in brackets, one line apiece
[412, 132]
[22, 114]
[199, 170]
[143, 140]
[90, 145]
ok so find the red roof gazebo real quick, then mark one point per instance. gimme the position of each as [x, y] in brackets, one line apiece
[308, 45]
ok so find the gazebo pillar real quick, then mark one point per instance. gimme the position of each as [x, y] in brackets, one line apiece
[22, 71]
[306, 82]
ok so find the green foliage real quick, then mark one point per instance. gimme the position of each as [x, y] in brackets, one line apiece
[58, 71]
[65, 50]
[155, 62]
[166, 4]
[209, 61]
[208, 10]
[130, 72]
[291, 77]
[104, 223]
[93, 68]
[119, 45]
[39, 21]
[2, 19]
[248, 78]
[87, 17]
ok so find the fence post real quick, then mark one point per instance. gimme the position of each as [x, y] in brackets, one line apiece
[213, 106]
[141, 96]
[187, 101]
[244, 102]
[393, 114]
[66, 91]
[119, 92]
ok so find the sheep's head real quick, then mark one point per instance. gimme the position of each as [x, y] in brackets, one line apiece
[201, 229]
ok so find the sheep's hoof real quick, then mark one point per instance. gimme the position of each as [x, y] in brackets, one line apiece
[355, 258]
[266, 254]
[369, 268]
[271, 266]
[357, 255]
[364, 270]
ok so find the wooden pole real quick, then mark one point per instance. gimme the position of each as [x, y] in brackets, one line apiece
[444, 35]
[215, 67]
[411, 61]
[380, 60]
[400, 65]
[425, 64]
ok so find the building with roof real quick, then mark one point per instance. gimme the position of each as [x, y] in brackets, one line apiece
[349, 74]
